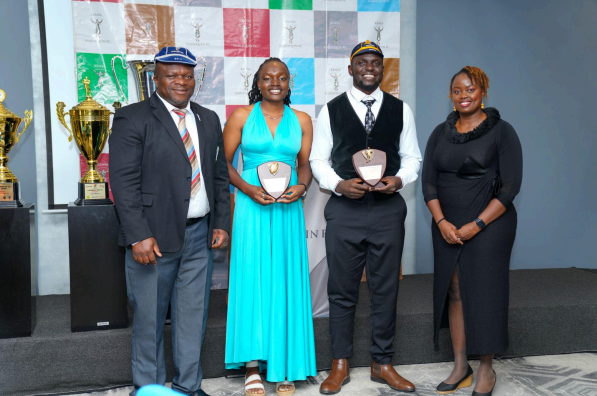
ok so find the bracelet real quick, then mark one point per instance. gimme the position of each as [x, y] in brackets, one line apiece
[304, 185]
[440, 220]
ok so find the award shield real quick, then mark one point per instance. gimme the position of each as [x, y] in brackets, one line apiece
[274, 177]
[144, 70]
[89, 121]
[10, 194]
[370, 165]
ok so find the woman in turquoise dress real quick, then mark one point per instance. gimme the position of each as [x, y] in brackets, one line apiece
[270, 321]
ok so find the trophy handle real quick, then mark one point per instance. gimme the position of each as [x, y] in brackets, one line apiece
[61, 113]
[126, 67]
[116, 105]
[28, 119]
[202, 77]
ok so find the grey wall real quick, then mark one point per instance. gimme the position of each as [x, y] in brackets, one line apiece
[540, 57]
[15, 80]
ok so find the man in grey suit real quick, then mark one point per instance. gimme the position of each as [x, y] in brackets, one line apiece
[170, 184]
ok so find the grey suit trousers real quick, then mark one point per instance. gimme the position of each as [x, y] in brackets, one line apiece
[182, 279]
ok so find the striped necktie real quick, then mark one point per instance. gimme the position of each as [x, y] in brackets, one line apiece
[188, 144]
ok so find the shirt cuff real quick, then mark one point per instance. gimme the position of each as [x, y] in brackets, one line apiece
[335, 183]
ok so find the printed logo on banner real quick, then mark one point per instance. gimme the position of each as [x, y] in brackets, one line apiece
[239, 74]
[148, 28]
[291, 33]
[98, 69]
[335, 33]
[382, 28]
[246, 32]
[302, 80]
[98, 27]
[331, 78]
[335, 5]
[199, 3]
[212, 90]
[200, 30]
[379, 5]
[291, 4]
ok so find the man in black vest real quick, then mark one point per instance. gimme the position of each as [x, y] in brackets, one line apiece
[365, 226]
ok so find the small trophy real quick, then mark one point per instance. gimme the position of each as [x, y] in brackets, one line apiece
[89, 121]
[274, 177]
[10, 193]
[370, 165]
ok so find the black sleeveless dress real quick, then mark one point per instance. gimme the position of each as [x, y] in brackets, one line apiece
[465, 171]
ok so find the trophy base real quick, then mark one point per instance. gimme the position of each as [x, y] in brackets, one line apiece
[10, 195]
[93, 194]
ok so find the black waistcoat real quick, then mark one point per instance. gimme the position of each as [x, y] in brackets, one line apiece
[349, 136]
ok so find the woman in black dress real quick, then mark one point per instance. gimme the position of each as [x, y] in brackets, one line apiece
[471, 173]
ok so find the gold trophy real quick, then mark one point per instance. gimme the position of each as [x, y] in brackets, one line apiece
[89, 121]
[10, 194]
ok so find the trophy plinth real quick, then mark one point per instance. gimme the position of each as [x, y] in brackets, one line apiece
[89, 121]
[10, 191]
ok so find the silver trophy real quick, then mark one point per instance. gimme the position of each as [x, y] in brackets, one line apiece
[144, 70]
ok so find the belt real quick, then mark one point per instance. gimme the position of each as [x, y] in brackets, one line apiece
[193, 220]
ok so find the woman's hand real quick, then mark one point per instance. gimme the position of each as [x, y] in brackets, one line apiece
[467, 231]
[258, 194]
[448, 231]
[292, 194]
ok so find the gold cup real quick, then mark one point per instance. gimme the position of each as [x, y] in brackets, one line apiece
[10, 194]
[89, 121]
[9, 125]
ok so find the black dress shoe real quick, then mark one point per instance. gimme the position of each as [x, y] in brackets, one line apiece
[201, 392]
[465, 382]
[492, 388]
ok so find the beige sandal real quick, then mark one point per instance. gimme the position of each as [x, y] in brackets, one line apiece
[288, 392]
[252, 378]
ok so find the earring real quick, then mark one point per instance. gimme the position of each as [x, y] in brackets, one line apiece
[454, 108]
[482, 105]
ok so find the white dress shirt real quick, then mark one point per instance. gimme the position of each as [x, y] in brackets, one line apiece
[199, 205]
[321, 164]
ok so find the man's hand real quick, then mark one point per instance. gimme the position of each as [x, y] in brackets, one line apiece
[352, 188]
[392, 184]
[219, 239]
[145, 251]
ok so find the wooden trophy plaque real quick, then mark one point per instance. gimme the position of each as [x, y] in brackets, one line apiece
[274, 177]
[370, 165]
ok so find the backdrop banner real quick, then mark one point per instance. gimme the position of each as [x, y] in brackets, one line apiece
[314, 37]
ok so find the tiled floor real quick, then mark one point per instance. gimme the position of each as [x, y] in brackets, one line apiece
[574, 374]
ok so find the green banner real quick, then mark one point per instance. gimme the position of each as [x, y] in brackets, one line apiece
[291, 4]
[98, 69]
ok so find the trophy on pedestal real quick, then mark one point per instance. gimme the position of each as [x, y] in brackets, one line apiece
[89, 121]
[143, 71]
[10, 194]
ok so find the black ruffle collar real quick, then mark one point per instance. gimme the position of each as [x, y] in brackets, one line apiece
[452, 134]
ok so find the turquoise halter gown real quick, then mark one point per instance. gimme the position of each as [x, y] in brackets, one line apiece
[269, 300]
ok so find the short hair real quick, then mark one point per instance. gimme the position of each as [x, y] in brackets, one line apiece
[255, 94]
[476, 75]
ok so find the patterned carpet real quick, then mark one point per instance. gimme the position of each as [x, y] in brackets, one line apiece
[570, 375]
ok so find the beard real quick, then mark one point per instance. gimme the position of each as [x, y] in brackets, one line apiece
[362, 85]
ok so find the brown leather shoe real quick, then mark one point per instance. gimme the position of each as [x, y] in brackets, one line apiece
[339, 376]
[385, 374]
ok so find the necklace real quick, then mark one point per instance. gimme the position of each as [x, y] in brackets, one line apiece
[273, 118]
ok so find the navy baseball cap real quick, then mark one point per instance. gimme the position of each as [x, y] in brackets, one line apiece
[175, 55]
[366, 47]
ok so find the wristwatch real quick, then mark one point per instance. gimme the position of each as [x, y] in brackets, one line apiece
[480, 223]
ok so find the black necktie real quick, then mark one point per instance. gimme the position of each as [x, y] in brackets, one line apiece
[369, 117]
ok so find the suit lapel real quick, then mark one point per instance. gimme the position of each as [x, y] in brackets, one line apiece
[161, 112]
[201, 133]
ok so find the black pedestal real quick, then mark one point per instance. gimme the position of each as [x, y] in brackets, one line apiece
[18, 278]
[97, 280]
